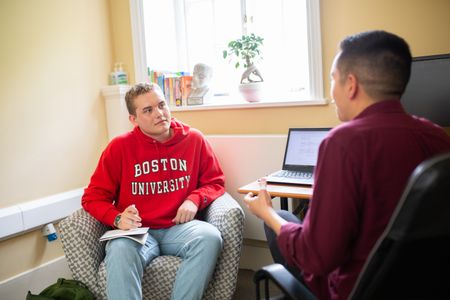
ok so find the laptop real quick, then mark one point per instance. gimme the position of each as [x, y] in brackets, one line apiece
[300, 156]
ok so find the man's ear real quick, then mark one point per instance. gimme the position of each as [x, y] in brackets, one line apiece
[132, 119]
[352, 86]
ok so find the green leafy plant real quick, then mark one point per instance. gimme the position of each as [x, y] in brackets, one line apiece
[245, 50]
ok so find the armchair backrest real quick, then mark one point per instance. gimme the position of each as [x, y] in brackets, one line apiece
[411, 260]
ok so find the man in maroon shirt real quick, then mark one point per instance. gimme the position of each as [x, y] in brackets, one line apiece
[362, 170]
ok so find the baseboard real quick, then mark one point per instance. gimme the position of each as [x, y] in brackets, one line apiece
[34, 280]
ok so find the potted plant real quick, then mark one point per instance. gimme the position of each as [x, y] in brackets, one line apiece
[246, 50]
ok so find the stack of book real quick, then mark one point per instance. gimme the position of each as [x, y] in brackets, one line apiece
[175, 85]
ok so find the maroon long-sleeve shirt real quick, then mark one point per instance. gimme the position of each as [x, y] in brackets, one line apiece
[363, 167]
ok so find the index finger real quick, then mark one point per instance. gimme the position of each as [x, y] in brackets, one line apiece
[132, 209]
[262, 183]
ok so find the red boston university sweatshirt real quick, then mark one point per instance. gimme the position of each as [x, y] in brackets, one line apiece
[156, 177]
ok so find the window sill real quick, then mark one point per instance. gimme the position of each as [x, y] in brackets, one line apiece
[242, 104]
[117, 92]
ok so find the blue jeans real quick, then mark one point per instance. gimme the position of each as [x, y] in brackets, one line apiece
[198, 244]
[273, 244]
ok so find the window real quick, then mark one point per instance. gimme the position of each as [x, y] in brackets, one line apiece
[176, 34]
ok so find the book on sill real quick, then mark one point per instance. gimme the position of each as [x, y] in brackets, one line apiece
[139, 234]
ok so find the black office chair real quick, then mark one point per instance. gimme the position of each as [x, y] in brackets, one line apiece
[411, 259]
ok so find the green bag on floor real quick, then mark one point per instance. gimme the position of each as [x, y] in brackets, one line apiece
[64, 289]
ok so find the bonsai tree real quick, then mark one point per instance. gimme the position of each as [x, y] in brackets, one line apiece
[246, 50]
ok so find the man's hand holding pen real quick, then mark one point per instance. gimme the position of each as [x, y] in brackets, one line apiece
[129, 218]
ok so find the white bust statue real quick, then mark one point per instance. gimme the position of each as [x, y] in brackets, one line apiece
[201, 78]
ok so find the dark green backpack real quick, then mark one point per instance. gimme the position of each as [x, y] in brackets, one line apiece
[64, 289]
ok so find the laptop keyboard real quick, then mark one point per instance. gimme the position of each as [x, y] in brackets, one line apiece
[294, 174]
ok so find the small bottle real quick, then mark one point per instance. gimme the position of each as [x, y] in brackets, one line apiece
[121, 76]
[113, 76]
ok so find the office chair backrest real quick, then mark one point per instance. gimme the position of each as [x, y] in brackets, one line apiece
[411, 260]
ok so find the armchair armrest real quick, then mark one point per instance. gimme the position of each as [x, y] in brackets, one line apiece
[80, 233]
[224, 211]
[287, 283]
[227, 215]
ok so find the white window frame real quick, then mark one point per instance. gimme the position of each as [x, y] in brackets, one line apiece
[314, 52]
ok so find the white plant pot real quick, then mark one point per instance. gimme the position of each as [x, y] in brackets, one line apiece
[251, 91]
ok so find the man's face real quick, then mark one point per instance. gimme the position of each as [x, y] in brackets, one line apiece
[337, 92]
[152, 115]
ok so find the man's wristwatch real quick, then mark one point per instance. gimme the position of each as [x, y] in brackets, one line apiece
[117, 220]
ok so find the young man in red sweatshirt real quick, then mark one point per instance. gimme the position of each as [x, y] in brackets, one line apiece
[158, 175]
[362, 169]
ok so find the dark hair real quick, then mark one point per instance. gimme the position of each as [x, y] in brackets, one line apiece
[380, 60]
[137, 90]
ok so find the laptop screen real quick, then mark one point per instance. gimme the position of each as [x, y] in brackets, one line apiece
[303, 147]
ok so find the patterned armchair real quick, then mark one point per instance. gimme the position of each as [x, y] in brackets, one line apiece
[80, 234]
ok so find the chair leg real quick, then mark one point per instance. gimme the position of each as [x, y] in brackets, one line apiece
[258, 296]
[266, 288]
